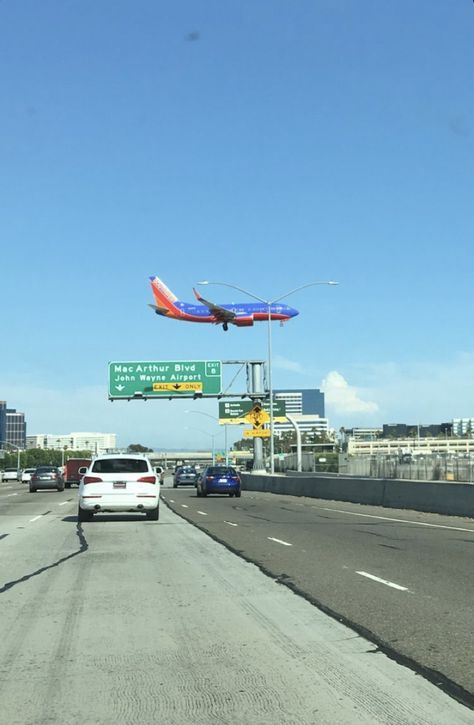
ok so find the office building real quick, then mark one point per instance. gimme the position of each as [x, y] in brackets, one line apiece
[97, 443]
[302, 402]
[463, 427]
[12, 426]
[306, 407]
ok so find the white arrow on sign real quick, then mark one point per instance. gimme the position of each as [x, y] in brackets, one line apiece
[119, 387]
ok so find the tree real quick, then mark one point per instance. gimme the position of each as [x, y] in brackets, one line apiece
[138, 448]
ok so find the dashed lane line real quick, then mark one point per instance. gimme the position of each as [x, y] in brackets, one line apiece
[203, 513]
[383, 581]
[398, 521]
[230, 523]
[279, 541]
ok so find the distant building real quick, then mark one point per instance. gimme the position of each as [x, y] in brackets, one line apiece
[463, 427]
[362, 434]
[310, 424]
[403, 430]
[97, 443]
[12, 426]
[416, 446]
[302, 402]
[306, 407]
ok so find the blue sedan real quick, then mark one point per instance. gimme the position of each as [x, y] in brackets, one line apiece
[218, 479]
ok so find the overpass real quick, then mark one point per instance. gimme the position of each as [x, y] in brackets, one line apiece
[168, 459]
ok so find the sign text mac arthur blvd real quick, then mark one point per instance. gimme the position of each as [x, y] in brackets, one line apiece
[166, 378]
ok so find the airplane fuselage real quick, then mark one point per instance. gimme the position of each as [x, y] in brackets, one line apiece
[189, 312]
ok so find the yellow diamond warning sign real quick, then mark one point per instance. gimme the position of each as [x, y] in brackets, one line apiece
[257, 416]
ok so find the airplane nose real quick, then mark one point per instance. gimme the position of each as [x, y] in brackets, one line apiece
[293, 312]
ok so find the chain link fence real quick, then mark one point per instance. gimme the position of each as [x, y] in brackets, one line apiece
[423, 468]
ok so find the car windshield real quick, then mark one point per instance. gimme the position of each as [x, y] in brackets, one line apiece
[120, 465]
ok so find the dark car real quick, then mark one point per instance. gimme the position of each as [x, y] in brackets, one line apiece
[219, 479]
[46, 477]
[185, 475]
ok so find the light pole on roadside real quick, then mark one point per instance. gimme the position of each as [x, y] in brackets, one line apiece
[18, 450]
[269, 304]
[213, 417]
[211, 435]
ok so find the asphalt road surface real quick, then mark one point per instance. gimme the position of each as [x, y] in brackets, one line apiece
[121, 620]
[404, 578]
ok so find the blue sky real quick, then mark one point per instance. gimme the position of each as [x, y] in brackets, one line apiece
[266, 144]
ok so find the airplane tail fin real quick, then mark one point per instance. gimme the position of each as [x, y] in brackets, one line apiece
[164, 298]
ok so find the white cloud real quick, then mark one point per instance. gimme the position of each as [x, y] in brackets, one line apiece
[343, 398]
[283, 363]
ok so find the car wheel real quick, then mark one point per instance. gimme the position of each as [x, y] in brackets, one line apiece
[175, 485]
[237, 493]
[61, 489]
[198, 492]
[67, 485]
[32, 490]
[153, 515]
[84, 515]
[231, 495]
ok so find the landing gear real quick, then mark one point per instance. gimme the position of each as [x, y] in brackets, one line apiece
[225, 326]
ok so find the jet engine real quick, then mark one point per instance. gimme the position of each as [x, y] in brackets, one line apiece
[243, 321]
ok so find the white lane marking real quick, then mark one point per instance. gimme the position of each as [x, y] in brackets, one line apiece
[230, 523]
[398, 521]
[279, 541]
[382, 581]
[63, 503]
[171, 500]
[11, 494]
[185, 505]
[36, 518]
[203, 513]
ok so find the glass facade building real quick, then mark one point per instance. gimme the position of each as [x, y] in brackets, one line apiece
[12, 426]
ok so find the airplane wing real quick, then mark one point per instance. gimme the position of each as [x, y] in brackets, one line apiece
[220, 313]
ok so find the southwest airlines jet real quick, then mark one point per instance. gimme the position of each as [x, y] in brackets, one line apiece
[241, 314]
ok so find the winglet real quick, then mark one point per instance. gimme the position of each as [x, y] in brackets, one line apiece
[197, 295]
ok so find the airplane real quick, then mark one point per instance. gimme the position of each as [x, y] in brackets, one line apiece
[242, 314]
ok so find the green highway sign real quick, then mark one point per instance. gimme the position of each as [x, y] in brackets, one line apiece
[236, 412]
[164, 379]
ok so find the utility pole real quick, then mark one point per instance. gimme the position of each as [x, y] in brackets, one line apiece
[257, 392]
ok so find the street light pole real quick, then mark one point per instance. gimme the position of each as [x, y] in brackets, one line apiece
[211, 435]
[269, 304]
[208, 415]
[18, 450]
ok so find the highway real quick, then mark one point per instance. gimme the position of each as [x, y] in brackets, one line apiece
[121, 620]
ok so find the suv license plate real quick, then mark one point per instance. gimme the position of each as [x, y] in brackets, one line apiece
[120, 484]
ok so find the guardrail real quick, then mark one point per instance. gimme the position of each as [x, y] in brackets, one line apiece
[442, 497]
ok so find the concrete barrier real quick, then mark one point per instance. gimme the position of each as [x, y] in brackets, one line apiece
[455, 499]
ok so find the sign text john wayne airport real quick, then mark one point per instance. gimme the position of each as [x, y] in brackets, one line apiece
[177, 378]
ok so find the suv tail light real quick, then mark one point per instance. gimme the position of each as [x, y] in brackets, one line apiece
[91, 479]
[147, 479]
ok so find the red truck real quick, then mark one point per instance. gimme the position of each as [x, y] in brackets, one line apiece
[71, 470]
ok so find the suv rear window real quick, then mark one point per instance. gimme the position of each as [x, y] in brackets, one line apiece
[221, 471]
[120, 465]
[46, 469]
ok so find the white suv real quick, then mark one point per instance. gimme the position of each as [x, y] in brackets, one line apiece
[119, 482]
[11, 474]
